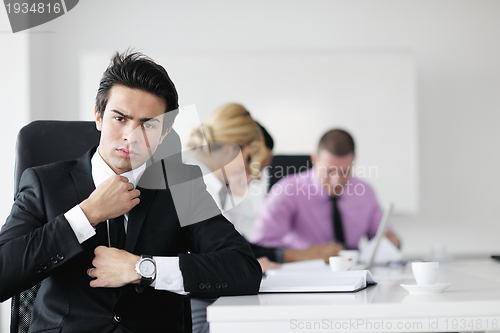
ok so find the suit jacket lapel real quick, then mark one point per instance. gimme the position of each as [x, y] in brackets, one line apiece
[136, 218]
[82, 175]
[84, 184]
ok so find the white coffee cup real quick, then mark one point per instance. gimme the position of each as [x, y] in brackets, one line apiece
[351, 255]
[339, 264]
[425, 272]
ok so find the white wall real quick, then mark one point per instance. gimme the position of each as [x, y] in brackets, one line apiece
[14, 110]
[457, 52]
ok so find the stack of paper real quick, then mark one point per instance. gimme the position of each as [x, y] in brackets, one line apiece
[314, 280]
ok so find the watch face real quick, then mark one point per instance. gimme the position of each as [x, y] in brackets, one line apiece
[147, 268]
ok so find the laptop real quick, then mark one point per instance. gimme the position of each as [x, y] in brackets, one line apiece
[382, 227]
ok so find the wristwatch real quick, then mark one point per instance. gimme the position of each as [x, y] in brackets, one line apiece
[146, 268]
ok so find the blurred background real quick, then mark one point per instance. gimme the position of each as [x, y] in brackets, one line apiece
[416, 81]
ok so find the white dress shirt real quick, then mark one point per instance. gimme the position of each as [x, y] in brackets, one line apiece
[168, 274]
[234, 204]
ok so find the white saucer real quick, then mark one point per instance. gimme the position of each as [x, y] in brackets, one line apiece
[439, 287]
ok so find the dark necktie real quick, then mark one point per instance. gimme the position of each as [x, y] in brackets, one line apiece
[101, 234]
[338, 228]
[223, 196]
[117, 233]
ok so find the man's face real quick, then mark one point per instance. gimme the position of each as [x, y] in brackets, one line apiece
[131, 127]
[333, 171]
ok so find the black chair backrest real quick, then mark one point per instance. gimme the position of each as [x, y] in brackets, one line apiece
[43, 142]
[284, 165]
[38, 143]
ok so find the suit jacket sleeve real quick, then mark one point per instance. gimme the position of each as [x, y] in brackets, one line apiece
[31, 247]
[220, 261]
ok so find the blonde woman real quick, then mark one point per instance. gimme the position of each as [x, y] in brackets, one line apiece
[229, 148]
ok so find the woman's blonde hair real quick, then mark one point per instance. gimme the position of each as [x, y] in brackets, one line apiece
[231, 123]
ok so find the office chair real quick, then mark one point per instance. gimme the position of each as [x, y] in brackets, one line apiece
[284, 165]
[43, 142]
[39, 143]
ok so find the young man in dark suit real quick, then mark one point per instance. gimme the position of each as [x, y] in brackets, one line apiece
[117, 240]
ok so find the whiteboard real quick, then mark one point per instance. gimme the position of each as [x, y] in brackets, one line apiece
[298, 96]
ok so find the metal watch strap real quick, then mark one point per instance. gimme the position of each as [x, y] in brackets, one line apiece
[144, 280]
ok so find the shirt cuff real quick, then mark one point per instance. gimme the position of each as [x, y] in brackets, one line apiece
[169, 275]
[79, 223]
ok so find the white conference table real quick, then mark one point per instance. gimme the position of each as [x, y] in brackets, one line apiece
[471, 303]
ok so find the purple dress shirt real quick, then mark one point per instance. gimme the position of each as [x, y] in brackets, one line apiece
[298, 213]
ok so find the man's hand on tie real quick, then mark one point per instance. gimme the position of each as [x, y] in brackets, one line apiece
[112, 198]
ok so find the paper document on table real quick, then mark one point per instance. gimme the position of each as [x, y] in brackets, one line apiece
[323, 280]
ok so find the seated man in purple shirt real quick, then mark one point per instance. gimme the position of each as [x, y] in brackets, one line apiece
[323, 205]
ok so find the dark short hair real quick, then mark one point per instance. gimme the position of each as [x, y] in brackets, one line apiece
[337, 142]
[138, 71]
[268, 139]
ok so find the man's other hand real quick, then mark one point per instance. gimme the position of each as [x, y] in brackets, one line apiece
[393, 238]
[112, 198]
[113, 268]
[266, 264]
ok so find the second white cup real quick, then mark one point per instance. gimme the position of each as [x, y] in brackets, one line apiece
[351, 255]
[339, 264]
[425, 272]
